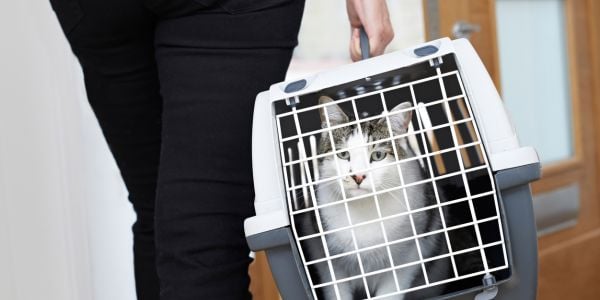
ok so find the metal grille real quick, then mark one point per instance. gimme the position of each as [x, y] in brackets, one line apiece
[451, 234]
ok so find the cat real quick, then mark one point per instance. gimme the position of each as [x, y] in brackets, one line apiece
[358, 184]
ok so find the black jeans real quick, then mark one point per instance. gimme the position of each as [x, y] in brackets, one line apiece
[173, 83]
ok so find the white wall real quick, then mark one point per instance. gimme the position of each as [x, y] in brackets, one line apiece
[325, 33]
[64, 217]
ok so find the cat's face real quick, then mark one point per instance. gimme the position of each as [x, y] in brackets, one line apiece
[358, 157]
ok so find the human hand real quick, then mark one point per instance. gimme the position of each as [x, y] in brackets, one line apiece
[374, 17]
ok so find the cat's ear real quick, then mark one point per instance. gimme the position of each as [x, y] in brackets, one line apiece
[400, 121]
[333, 111]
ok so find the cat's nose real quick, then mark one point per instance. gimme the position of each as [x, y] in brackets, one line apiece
[358, 178]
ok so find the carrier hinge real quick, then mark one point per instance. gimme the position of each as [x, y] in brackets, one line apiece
[292, 102]
[436, 62]
[490, 288]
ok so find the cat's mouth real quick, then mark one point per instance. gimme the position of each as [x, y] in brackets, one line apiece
[357, 191]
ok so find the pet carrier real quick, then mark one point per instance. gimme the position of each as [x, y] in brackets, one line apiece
[396, 177]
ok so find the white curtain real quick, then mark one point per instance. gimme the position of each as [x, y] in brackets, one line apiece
[64, 216]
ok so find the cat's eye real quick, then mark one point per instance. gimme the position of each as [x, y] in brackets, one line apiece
[344, 155]
[378, 155]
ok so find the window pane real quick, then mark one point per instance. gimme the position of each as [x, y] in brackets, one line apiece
[534, 74]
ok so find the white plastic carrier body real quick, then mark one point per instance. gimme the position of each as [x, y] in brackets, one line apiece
[498, 135]
[513, 166]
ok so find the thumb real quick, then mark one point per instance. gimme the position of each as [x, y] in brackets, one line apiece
[355, 52]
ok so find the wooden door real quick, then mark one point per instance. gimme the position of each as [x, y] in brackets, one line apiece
[262, 285]
[569, 257]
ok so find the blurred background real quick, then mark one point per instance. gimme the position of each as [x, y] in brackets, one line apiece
[64, 217]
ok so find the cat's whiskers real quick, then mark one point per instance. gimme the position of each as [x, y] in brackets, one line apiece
[392, 193]
[319, 187]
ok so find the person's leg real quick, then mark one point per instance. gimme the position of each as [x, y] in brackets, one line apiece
[211, 66]
[113, 40]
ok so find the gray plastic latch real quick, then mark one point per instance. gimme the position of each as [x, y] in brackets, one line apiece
[295, 86]
[490, 289]
[425, 50]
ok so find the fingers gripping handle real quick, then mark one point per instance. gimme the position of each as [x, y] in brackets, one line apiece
[364, 44]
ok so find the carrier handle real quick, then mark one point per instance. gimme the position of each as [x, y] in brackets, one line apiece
[364, 44]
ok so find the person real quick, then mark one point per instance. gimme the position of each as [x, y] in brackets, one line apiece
[172, 84]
